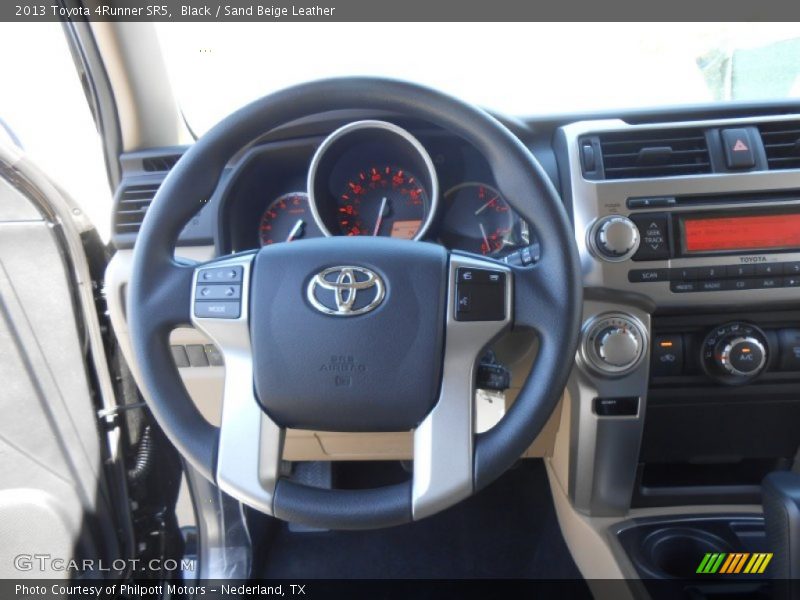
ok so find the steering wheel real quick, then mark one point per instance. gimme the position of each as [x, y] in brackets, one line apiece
[406, 363]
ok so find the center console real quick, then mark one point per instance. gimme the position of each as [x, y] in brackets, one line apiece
[685, 390]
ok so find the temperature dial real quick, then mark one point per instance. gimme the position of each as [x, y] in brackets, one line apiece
[613, 344]
[735, 353]
[616, 238]
[618, 346]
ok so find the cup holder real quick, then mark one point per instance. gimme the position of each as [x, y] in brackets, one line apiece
[677, 551]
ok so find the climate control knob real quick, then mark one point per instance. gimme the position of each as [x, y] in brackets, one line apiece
[616, 238]
[735, 353]
[613, 344]
[617, 346]
[743, 356]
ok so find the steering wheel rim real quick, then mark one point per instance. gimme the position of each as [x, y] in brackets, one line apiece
[547, 297]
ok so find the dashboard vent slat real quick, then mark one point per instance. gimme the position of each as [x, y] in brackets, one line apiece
[781, 144]
[654, 153]
[132, 203]
[160, 163]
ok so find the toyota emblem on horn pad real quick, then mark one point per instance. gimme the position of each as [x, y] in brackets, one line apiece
[346, 291]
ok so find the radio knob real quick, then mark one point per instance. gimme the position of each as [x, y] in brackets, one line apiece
[742, 356]
[618, 347]
[616, 237]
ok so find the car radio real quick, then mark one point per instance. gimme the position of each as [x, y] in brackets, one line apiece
[700, 249]
[720, 236]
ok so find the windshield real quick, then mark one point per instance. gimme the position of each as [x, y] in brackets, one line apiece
[515, 68]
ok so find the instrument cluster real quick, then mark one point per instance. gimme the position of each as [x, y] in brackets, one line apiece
[373, 178]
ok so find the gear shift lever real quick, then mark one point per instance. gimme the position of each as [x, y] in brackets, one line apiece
[781, 499]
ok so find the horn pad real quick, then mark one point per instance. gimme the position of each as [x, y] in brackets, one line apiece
[348, 333]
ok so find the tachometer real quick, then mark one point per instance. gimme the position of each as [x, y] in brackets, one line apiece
[478, 219]
[286, 219]
[382, 200]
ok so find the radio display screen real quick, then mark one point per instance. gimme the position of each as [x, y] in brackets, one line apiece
[751, 233]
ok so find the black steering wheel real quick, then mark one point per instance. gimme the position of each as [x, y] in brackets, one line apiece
[404, 360]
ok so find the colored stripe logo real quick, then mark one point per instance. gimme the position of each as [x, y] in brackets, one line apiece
[734, 563]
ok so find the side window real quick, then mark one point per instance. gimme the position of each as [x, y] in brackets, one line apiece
[44, 106]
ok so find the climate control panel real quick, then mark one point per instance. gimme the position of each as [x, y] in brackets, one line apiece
[735, 352]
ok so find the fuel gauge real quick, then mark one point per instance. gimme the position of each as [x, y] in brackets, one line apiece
[286, 219]
[478, 219]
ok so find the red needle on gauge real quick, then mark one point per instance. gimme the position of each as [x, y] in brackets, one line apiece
[482, 208]
[485, 237]
[380, 216]
[295, 230]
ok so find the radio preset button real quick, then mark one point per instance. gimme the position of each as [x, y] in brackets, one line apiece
[681, 287]
[769, 269]
[740, 270]
[770, 282]
[684, 274]
[711, 272]
[710, 285]
[740, 284]
[791, 268]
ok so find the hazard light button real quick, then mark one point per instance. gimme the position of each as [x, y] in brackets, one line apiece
[738, 147]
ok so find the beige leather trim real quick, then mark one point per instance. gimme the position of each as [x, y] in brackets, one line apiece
[591, 540]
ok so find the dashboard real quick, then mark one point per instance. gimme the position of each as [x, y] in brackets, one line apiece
[684, 391]
[369, 178]
[686, 221]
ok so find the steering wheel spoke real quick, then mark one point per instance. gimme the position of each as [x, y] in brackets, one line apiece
[479, 309]
[250, 443]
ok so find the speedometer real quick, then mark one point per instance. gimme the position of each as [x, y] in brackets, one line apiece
[383, 200]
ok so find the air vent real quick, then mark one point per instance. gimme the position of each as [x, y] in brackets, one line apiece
[781, 144]
[132, 203]
[654, 153]
[160, 163]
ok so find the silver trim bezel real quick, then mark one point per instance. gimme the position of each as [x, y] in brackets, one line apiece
[444, 441]
[589, 357]
[385, 126]
[604, 450]
[594, 199]
[250, 443]
[725, 357]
